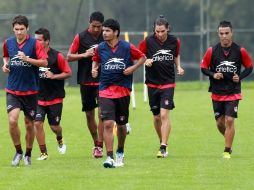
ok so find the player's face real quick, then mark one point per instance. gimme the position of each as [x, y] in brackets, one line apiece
[109, 34]
[20, 31]
[225, 35]
[40, 38]
[95, 28]
[161, 32]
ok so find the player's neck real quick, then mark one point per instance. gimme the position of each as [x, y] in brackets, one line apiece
[112, 43]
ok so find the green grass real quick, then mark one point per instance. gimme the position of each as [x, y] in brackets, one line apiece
[195, 148]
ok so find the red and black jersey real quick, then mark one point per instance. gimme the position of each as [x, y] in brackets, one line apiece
[227, 61]
[86, 41]
[163, 54]
[50, 89]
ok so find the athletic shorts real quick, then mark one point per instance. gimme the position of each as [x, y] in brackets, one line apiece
[89, 97]
[26, 103]
[227, 108]
[160, 98]
[116, 109]
[54, 113]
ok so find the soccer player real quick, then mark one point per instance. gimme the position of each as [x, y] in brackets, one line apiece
[115, 59]
[22, 57]
[222, 64]
[162, 52]
[82, 50]
[51, 94]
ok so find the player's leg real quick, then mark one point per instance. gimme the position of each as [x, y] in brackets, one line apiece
[219, 114]
[122, 116]
[39, 131]
[54, 115]
[154, 103]
[108, 118]
[13, 109]
[29, 106]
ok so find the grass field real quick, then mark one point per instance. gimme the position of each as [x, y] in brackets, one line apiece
[195, 149]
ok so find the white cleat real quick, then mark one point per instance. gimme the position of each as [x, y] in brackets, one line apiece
[61, 148]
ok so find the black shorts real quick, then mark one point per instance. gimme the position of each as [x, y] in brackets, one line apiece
[161, 98]
[54, 113]
[227, 108]
[26, 103]
[115, 109]
[89, 97]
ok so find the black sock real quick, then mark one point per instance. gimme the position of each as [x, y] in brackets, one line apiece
[163, 147]
[100, 144]
[19, 149]
[227, 149]
[43, 148]
[28, 152]
[59, 139]
[120, 149]
[110, 154]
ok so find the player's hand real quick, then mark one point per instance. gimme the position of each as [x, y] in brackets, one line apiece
[22, 56]
[49, 74]
[180, 71]
[149, 62]
[5, 68]
[218, 76]
[128, 71]
[89, 52]
[236, 78]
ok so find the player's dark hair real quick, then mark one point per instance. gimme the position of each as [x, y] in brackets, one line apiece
[225, 23]
[96, 16]
[161, 20]
[44, 32]
[112, 24]
[20, 19]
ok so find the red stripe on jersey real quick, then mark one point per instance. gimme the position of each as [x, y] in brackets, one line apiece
[247, 62]
[90, 84]
[63, 64]
[162, 86]
[226, 97]
[114, 91]
[75, 45]
[206, 61]
[49, 103]
[20, 93]
[142, 47]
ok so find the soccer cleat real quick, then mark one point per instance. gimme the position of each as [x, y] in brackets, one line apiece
[61, 148]
[43, 156]
[27, 161]
[162, 153]
[226, 155]
[119, 159]
[97, 152]
[128, 128]
[16, 159]
[109, 163]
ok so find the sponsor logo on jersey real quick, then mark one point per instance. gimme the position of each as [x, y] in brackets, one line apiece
[115, 64]
[163, 55]
[226, 67]
[15, 61]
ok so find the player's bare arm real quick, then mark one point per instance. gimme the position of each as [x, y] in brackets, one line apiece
[5, 67]
[35, 62]
[75, 57]
[132, 68]
[180, 70]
